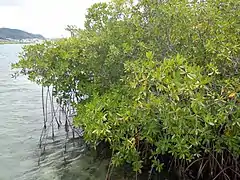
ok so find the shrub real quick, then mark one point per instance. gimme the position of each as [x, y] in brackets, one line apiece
[162, 78]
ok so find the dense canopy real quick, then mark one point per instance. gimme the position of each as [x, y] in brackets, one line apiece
[162, 79]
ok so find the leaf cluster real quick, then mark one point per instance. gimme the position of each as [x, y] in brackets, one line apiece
[162, 77]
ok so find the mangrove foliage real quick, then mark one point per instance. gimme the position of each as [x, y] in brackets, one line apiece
[159, 81]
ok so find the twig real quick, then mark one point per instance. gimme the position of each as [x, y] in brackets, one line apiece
[222, 171]
[108, 175]
[219, 166]
[44, 118]
[201, 169]
[193, 163]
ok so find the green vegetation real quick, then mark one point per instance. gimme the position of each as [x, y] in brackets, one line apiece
[162, 79]
[11, 42]
[17, 34]
[2, 42]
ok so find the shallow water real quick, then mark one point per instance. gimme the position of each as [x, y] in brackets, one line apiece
[21, 127]
[21, 123]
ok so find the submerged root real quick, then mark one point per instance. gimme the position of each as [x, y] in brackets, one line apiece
[57, 115]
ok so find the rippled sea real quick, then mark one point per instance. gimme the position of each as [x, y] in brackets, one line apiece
[21, 126]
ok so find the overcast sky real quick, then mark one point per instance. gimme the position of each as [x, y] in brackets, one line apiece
[46, 17]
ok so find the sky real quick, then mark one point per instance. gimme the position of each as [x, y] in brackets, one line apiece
[46, 17]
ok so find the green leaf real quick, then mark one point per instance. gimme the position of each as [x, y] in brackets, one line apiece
[149, 55]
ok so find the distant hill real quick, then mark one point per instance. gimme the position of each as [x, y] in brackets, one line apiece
[17, 34]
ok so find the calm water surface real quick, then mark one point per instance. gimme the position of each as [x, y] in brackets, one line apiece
[20, 129]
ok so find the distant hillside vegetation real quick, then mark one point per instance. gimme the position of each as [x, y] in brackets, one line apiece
[17, 34]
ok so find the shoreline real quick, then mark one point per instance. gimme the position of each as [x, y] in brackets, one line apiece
[2, 43]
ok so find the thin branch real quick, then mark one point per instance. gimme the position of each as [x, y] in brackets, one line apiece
[222, 171]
